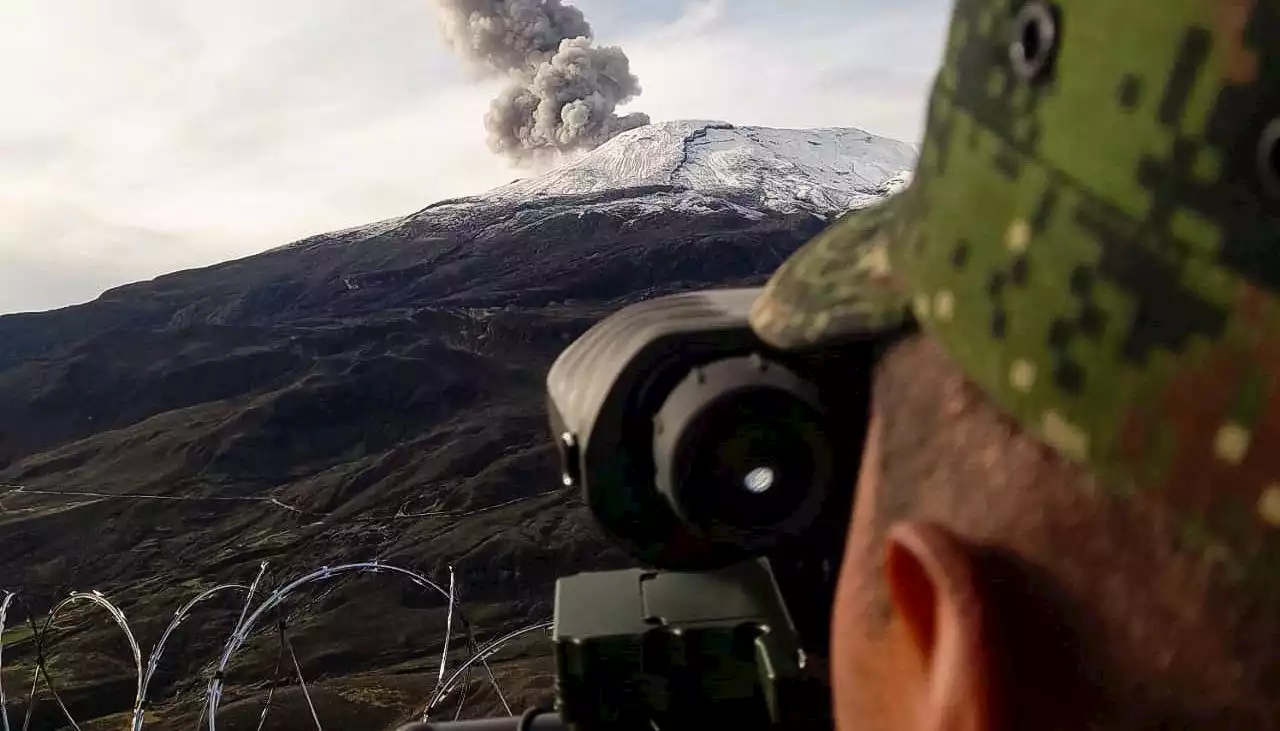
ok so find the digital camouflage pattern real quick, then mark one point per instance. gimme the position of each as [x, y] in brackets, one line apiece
[1095, 238]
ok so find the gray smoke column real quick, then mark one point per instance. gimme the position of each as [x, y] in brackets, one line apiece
[564, 90]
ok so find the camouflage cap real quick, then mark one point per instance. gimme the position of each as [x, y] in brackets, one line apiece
[1093, 233]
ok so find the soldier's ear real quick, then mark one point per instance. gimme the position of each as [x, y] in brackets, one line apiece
[933, 588]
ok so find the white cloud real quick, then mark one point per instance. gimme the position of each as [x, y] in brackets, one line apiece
[143, 136]
[872, 73]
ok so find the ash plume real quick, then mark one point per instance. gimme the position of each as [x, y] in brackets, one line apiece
[564, 90]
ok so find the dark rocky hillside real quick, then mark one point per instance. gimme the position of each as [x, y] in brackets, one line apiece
[375, 393]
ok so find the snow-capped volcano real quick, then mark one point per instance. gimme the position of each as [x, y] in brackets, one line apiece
[690, 168]
[380, 390]
[822, 170]
[377, 379]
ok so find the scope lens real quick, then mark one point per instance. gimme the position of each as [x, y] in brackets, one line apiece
[759, 480]
[749, 460]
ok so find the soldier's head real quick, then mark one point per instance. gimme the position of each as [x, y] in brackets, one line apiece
[1069, 504]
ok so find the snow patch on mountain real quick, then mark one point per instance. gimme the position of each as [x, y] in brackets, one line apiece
[823, 170]
[895, 184]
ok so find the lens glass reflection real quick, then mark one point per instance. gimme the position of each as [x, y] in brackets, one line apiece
[750, 459]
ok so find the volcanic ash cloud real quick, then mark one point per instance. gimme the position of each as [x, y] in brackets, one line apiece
[564, 90]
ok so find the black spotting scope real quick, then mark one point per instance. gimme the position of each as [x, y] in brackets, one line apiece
[726, 469]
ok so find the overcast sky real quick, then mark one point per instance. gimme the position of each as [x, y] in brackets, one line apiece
[139, 137]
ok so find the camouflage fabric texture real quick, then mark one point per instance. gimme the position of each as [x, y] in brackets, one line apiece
[1093, 233]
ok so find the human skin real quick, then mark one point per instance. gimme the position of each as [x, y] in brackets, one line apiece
[927, 668]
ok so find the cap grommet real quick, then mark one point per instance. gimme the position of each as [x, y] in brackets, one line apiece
[1269, 159]
[1035, 40]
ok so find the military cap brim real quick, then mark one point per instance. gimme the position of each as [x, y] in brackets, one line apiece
[839, 286]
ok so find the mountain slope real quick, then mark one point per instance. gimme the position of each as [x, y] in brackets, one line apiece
[376, 392]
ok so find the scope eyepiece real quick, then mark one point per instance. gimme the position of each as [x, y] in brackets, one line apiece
[742, 453]
[697, 445]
